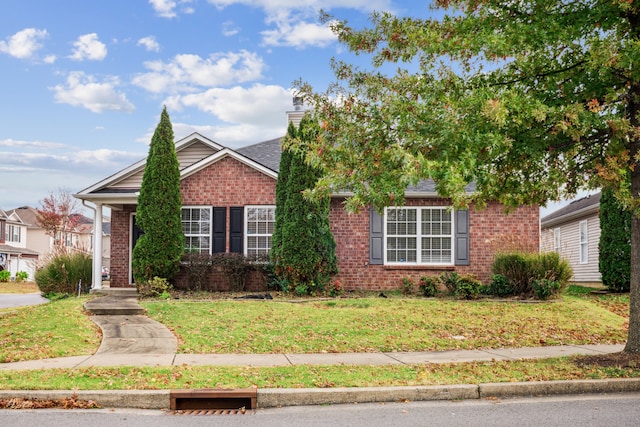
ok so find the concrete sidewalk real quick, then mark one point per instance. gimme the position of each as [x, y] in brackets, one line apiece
[132, 339]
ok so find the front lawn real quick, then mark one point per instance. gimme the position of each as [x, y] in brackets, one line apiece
[383, 325]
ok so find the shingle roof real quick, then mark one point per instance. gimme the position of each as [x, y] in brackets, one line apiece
[266, 153]
[574, 208]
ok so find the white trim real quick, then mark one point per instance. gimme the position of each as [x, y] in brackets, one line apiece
[245, 237]
[136, 167]
[226, 152]
[557, 242]
[210, 209]
[583, 245]
[419, 236]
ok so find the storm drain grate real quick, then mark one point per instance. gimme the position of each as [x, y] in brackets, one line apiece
[213, 399]
[241, 411]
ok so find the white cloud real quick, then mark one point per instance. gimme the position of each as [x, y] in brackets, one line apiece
[298, 34]
[38, 145]
[229, 28]
[23, 44]
[89, 47]
[49, 59]
[186, 72]
[294, 20]
[149, 43]
[84, 91]
[167, 8]
[262, 106]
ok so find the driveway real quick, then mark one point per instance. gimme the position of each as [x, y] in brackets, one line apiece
[18, 300]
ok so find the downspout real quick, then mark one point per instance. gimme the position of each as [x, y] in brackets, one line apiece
[96, 280]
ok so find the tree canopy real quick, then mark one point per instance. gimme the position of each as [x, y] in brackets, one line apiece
[529, 100]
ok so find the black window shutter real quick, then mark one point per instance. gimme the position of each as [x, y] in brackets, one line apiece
[236, 229]
[376, 237]
[219, 230]
[462, 237]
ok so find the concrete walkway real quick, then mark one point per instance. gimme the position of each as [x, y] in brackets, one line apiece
[129, 338]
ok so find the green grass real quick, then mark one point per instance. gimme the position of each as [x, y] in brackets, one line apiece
[176, 377]
[61, 328]
[375, 324]
[56, 329]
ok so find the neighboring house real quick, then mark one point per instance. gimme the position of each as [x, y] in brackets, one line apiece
[78, 240]
[229, 203]
[14, 255]
[574, 232]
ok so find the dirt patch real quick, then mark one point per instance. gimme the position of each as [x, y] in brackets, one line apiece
[611, 360]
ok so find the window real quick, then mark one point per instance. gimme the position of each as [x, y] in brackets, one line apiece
[556, 240]
[13, 233]
[196, 227]
[260, 221]
[584, 243]
[419, 235]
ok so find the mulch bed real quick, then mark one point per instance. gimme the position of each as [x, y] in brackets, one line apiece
[611, 360]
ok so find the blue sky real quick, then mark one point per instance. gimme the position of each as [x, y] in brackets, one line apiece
[83, 82]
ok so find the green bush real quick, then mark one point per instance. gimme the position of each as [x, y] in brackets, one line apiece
[522, 270]
[5, 275]
[429, 286]
[517, 268]
[499, 286]
[21, 276]
[468, 287]
[407, 286]
[198, 268]
[465, 286]
[450, 281]
[545, 288]
[64, 274]
[154, 288]
[614, 247]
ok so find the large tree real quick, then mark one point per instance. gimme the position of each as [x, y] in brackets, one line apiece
[59, 215]
[158, 251]
[530, 100]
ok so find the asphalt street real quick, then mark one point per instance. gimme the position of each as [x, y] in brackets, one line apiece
[19, 300]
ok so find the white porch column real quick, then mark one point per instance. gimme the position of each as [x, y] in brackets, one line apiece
[97, 247]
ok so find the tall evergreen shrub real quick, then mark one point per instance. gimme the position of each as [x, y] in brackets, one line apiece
[159, 250]
[304, 256]
[615, 243]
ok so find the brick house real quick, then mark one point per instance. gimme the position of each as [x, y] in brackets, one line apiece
[229, 204]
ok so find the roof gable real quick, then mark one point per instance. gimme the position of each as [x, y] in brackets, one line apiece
[580, 207]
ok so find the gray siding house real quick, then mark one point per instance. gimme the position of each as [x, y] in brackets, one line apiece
[574, 232]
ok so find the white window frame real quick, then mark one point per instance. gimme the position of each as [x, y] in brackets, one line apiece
[13, 233]
[420, 210]
[583, 237]
[209, 235]
[556, 240]
[263, 247]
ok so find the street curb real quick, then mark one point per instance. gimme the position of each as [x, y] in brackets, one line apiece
[273, 398]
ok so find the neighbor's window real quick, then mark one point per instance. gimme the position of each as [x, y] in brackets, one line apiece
[260, 221]
[556, 240]
[584, 243]
[419, 235]
[13, 233]
[196, 227]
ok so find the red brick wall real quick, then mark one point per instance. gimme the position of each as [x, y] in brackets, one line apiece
[120, 247]
[231, 183]
[490, 230]
[225, 183]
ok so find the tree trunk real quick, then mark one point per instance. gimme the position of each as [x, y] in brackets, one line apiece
[633, 340]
